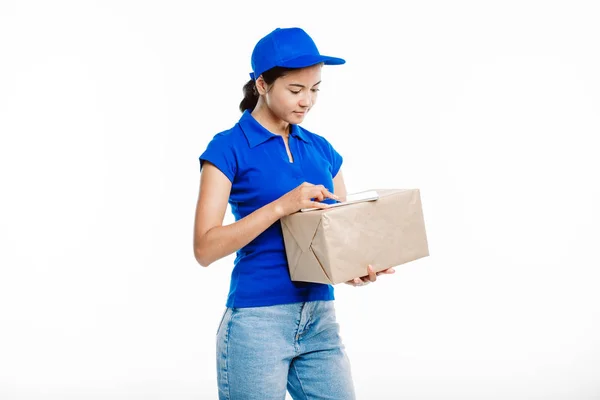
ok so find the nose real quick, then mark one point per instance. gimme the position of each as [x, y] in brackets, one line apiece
[306, 99]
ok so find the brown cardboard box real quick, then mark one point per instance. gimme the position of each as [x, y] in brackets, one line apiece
[335, 245]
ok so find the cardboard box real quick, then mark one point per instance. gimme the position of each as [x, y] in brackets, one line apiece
[337, 244]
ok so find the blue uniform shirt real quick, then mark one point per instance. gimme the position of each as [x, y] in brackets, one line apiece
[256, 162]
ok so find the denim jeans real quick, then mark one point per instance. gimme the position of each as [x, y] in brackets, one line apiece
[262, 351]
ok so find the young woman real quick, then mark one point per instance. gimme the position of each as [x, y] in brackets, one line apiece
[275, 334]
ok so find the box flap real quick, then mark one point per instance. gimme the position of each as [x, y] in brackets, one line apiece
[302, 230]
[309, 268]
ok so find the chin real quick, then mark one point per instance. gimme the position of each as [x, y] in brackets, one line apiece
[298, 117]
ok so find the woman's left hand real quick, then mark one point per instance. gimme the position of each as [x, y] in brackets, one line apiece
[370, 277]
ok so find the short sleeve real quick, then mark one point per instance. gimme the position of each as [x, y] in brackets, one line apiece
[220, 153]
[336, 161]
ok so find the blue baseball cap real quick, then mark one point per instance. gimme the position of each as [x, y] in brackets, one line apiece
[288, 48]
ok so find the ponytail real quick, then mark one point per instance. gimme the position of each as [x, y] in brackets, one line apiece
[250, 96]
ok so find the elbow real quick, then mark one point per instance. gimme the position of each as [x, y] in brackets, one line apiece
[201, 257]
[201, 253]
[205, 251]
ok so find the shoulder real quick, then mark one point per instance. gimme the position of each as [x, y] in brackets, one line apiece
[325, 148]
[221, 151]
[228, 137]
[315, 139]
[230, 141]
[320, 143]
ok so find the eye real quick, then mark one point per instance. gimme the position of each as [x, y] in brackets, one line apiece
[295, 91]
[315, 90]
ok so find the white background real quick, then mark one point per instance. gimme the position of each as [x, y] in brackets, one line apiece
[490, 108]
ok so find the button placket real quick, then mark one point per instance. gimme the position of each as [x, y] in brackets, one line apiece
[286, 157]
[297, 154]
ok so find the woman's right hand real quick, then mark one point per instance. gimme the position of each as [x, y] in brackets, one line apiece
[306, 195]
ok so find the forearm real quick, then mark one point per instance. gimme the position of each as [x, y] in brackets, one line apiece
[221, 241]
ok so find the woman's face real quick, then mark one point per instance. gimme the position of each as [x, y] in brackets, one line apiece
[291, 96]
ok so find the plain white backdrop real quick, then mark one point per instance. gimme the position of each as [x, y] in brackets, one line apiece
[490, 108]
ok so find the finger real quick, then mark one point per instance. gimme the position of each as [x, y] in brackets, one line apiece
[386, 271]
[315, 194]
[328, 194]
[323, 191]
[372, 275]
[316, 204]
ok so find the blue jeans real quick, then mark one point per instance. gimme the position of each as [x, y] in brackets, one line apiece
[262, 351]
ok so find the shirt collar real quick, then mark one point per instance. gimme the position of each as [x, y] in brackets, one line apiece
[257, 134]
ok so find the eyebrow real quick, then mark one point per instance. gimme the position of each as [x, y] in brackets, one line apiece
[302, 86]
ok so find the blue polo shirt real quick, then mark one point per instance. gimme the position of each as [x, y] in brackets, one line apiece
[256, 162]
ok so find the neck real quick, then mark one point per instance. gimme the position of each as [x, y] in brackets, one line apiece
[266, 118]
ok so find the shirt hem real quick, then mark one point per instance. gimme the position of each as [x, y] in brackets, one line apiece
[265, 302]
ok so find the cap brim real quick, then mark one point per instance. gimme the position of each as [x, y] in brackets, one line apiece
[307, 61]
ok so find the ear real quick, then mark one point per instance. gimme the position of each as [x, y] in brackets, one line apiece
[261, 86]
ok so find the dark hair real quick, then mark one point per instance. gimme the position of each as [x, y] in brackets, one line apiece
[251, 94]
